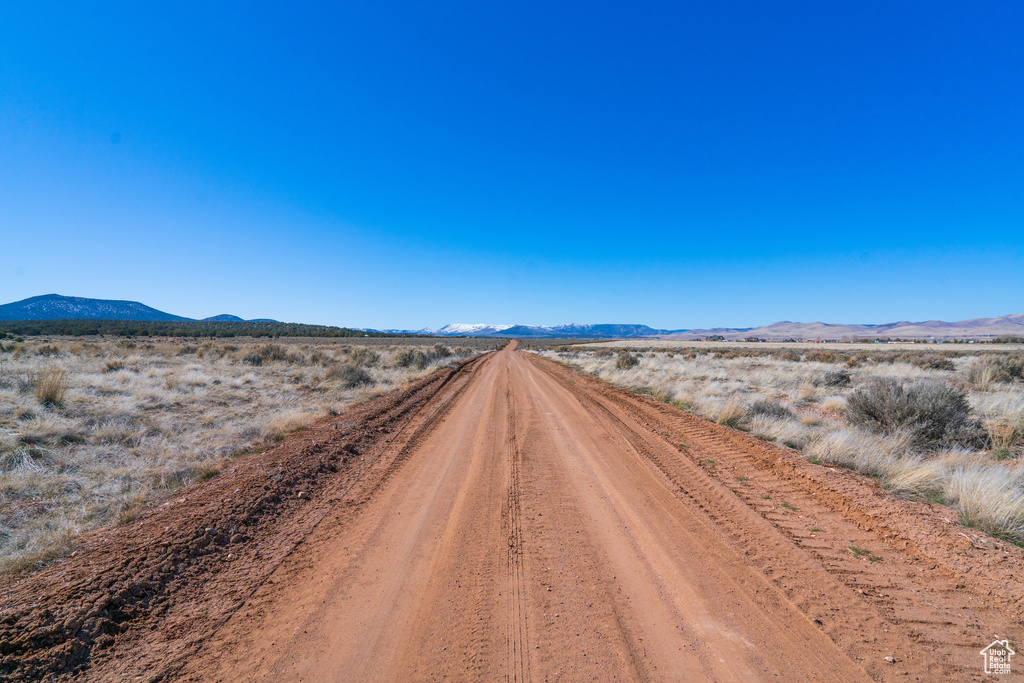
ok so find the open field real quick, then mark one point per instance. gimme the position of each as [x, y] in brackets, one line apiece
[799, 396]
[91, 430]
[513, 519]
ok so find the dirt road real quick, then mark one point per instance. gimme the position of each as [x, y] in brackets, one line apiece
[541, 533]
[526, 523]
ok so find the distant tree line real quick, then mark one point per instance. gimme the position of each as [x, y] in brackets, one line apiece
[190, 328]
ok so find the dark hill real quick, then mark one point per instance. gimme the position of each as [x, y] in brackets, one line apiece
[223, 317]
[57, 307]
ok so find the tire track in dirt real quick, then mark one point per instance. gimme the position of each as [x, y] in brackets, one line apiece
[516, 628]
[930, 608]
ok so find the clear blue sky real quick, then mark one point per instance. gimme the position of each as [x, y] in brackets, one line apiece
[390, 164]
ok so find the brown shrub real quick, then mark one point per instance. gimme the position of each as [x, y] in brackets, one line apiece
[627, 361]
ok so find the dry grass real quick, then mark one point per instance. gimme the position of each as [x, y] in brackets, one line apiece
[51, 386]
[90, 431]
[799, 396]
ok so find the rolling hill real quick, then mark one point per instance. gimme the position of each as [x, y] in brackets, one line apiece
[58, 307]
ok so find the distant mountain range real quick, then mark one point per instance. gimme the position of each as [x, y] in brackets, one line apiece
[976, 328]
[572, 330]
[57, 307]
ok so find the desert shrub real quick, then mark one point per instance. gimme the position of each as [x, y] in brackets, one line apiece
[933, 413]
[627, 361]
[440, 351]
[364, 356]
[114, 365]
[47, 350]
[272, 352]
[835, 378]
[984, 372]
[187, 350]
[412, 358]
[1003, 368]
[318, 357]
[824, 357]
[932, 361]
[253, 358]
[769, 409]
[1013, 365]
[51, 386]
[856, 360]
[603, 353]
[350, 375]
[208, 348]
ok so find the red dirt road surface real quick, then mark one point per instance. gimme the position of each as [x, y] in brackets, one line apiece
[513, 520]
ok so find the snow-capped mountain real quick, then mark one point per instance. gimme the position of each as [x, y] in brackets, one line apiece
[565, 331]
[451, 330]
[471, 329]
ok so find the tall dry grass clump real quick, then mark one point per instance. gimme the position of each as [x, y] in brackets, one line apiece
[982, 374]
[51, 386]
[990, 498]
[1005, 435]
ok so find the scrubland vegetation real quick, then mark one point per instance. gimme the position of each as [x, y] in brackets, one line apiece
[90, 430]
[946, 427]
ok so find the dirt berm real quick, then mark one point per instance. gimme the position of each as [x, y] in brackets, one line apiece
[512, 519]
